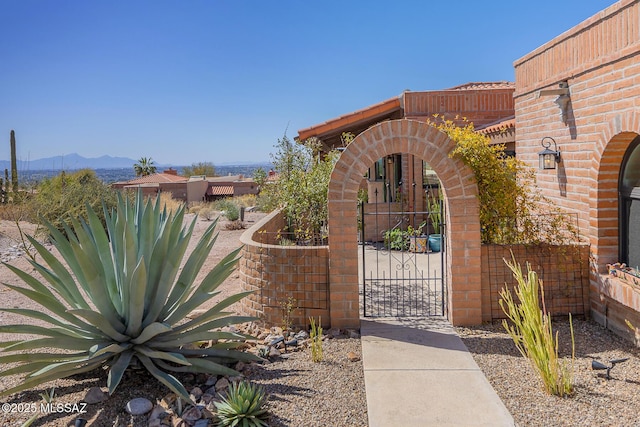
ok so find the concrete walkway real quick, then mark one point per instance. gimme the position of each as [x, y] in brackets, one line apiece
[417, 372]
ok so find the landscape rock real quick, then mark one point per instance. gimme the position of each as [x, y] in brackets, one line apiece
[302, 335]
[352, 333]
[192, 414]
[201, 423]
[274, 352]
[222, 384]
[139, 406]
[158, 414]
[353, 357]
[95, 395]
[196, 393]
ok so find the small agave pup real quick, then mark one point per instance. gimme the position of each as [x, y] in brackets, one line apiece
[123, 300]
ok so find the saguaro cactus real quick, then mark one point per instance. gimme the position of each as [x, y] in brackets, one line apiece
[14, 167]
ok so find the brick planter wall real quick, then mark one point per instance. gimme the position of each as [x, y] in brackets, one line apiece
[274, 273]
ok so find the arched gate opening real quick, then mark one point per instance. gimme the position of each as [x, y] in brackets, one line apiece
[462, 269]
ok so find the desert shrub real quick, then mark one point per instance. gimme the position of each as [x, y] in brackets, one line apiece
[243, 406]
[302, 186]
[229, 209]
[207, 213]
[195, 207]
[246, 200]
[532, 332]
[68, 195]
[123, 300]
[167, 202]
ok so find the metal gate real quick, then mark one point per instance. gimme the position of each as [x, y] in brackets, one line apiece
[402, 260]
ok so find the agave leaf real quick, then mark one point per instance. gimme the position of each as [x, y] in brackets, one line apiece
[34, 284]
[32, 382]
[215, 312]
[164, 355]
[136, 303]
[190, 270]
[102, 244]
[27, 368]
[221, 355]
[65, 343]
[170, 267]
[216, 323]
[117, 370]
[59, 276]
[111, 348]
[202, 294]
[187, 338]
[39, 357]
[200, 365]
[69, 364]
[34, 314]
[109, 327]
[151, 331]
[165, 378]
[90, 275]
[39, 330]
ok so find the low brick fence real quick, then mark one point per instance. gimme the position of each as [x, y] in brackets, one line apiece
[276, 273]
[564, 271]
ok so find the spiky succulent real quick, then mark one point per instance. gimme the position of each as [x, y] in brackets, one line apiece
[123, 300]
[242, 406]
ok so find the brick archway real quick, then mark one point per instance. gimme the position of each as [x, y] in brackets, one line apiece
[616, 135]
[463, 225]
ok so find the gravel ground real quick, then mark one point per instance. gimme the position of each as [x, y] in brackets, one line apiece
[596, 401]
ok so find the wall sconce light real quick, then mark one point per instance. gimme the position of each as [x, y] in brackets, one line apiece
[390, 160]
[548, 158]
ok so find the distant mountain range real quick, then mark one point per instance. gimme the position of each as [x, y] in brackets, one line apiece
[75, 161]
[71, 162]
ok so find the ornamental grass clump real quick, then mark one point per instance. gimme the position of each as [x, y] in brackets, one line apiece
[532, 332]
[243, 406]
[315, 339]
[123, 301]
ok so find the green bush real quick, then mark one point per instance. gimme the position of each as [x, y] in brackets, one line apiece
[123, 300]
[532, 332]
[229, 209]
[302, 187]
[243, 406]
[68, 195]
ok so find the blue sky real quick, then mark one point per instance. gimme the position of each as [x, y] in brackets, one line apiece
[221, 81]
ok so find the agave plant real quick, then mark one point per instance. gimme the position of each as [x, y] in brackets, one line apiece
[123, 300]
[243, 406]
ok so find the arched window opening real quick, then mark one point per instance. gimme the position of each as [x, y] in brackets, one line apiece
[629, 186]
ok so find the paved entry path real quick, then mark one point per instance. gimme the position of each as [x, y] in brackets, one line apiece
[417, 372]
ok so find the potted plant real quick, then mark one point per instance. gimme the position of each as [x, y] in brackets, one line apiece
[435, 216]
[417, 239]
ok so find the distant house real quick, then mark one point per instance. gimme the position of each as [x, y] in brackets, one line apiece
[229, 186]
[193, 189]
[166, 181]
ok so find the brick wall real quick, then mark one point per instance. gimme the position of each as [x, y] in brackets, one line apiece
[479, 106]
[600, 60]
[564, 271]
[274, 273]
